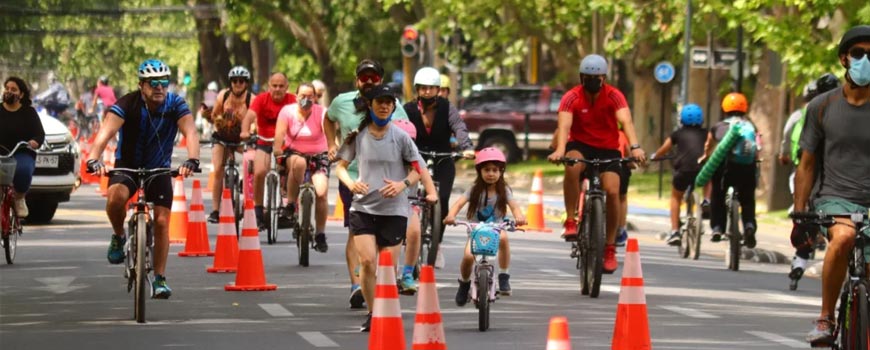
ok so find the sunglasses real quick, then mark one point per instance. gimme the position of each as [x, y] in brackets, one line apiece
[857, 53]
[238, 80]
[158, 82]
[369, 78]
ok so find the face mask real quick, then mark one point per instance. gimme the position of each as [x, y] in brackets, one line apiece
[379, 121]
[427, 100]
[305, 103]
[592, 85]
[10, 98]
[859, 71]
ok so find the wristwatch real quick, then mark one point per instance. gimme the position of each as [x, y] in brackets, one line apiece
[407, 183]
[634, 146]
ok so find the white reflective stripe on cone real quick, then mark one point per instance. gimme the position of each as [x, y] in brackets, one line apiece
[428, 333]
[386, 308]
[631, 266]
[632, 296]
[227, 229]
[249, 243]
[386, 275]
[558, 345]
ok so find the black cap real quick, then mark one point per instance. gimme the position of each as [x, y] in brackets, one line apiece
[380, 91]
[855, 35]
[369, 64]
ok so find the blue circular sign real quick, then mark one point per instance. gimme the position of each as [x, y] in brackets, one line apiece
[664, 72]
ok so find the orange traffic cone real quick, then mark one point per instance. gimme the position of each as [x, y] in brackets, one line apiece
[197, 231]
[387, 331]
[250, 276]
[428, 327]
[338, 213]
[104, 186]
[535, 213]
[558, 338]
[183, 142]
[632, 325]
[226, 257]
[178, 219]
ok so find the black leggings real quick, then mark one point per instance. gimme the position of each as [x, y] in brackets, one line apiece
[445, 172]
[742, 178]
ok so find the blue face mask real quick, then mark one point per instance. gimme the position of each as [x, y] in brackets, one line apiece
[379, 121]
[859, 70]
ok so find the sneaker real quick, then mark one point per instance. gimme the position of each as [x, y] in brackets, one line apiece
[749, 236]
[214, 217]
[161, 289]
[822, 333]
[717, 235]
[320, 242]
[622, 237]
[439, 259]
[798, 265]
[675, 238]
[705, 209]
[258, 214]
[116, 249]
[610, 263]
[462, 293]
[407, 284]
[21, 208]
[504, 284]
[357, 301]
[286, 215]
[570, 231]
[367, 325]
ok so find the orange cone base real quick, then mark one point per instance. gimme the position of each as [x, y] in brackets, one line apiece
[194, 254]
[537, 229]
[221, 270]
[632, 330]
[235, 288]
[383, 326]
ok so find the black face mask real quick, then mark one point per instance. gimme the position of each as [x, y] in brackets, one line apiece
[592, 85]
[428, 100]
[10, 98]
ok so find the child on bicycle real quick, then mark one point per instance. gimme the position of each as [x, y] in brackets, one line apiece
[488, 200]
[689, 139]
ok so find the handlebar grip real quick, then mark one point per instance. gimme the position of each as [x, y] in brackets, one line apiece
[804, 215]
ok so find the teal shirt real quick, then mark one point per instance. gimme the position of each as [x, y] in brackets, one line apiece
[343, 111]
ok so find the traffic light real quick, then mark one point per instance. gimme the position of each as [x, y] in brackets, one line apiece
[410, 42]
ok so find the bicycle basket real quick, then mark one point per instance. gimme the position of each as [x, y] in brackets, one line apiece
[7, 170]
[484, 240]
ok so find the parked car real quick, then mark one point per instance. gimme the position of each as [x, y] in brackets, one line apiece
[57, 170]
[495, 116]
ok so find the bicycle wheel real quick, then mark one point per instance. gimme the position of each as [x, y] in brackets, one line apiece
[697, 232]
[271, 209]
[596, 245]
[231, 184]
[10, 235]
[306, 204]
[583, 259]
[854, 318]
[483, 283]
[141, 243]
[425, 235]
[436, 232]
[734, 235]
[685, 248]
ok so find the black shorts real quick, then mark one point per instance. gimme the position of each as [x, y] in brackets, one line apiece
[346, 197]
[264, 148]
[590, 152]
[157, 191]
[624, 177]
[388, 230]
[683, 179]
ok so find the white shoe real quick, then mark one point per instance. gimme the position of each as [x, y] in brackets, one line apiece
[439, 259]
[798, 262]
[21, 208]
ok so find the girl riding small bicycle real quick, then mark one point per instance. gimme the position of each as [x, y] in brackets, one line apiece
[488, 200]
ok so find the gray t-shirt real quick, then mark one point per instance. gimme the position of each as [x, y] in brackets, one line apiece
[486, 206]
[839, 134]
[379, 159]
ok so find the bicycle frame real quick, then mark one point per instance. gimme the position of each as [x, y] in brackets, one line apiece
[306, 213]
[429, 221]
[9, 220]
[732, 204]
[233, 178]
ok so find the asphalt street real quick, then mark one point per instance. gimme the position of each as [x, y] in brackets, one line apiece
[61, 293]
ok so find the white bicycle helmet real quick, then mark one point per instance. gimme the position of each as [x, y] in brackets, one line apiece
[593, 65]
[153, 68]
[240, 72]
[427, 76]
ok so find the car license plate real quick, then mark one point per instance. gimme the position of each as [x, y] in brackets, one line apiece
[46, 161]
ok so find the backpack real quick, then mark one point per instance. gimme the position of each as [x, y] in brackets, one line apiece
[247, 98]
[746, 147]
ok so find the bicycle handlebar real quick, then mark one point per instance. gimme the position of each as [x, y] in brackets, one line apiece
[148, 172]
[258, 137]
[572, 161]
[441, 155]
[507, 225]
[819, 218]
[17, 146]
[230, 144]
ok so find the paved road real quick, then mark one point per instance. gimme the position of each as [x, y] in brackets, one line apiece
[62, 293]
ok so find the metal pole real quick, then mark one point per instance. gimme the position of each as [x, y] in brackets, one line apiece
[740, 59]
[687, 42]
[709, 82]
[662, 136]
[526, 138]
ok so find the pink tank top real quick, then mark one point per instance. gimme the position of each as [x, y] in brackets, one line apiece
[304, 136]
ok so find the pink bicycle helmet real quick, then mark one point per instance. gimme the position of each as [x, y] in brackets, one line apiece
[489, 154]
[407, 126]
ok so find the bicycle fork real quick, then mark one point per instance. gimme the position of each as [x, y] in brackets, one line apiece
[483, 264]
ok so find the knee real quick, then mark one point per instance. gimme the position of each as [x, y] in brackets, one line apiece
[841, 241]
[503, 240]
[367, 262]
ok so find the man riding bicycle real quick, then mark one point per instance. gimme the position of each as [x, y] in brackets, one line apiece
[229, 110]
[300, 132]
[835, 132]
[147, 121]
[102, 93]
[588, 116]
[264, 109]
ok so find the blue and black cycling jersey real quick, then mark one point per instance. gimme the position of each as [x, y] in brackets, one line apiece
[147, 137]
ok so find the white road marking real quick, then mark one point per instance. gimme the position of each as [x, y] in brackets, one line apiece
[776, 338]
[48, 268]
[688, 312]
[59, 285]
[557, 273]
[318, 339]
[276, 310]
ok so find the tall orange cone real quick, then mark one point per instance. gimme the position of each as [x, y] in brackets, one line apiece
[197, 231]
[338, 213]
[226, 257]
[632, 324]
[428, 327]
[558, 338]
[178, 219]
[250, 276]
[387, 331]
[535, 213]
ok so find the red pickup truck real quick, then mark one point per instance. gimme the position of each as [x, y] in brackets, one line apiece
[496, 116]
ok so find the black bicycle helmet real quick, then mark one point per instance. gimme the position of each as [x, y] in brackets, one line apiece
[855, 35]
[827, 82]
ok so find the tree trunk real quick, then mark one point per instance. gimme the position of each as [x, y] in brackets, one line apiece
[766, 112]
[261, 64]
[214, 56]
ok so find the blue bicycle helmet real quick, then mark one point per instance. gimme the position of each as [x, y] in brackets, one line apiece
[153, 68]
[691, 115]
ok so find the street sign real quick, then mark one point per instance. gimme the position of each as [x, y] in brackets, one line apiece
[398, 76]
[725, 58]
[721, 58]
[700, 57]
[664, 72]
